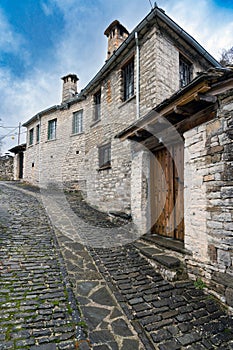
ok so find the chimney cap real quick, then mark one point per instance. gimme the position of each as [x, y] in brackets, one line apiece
[115, 23]
[72, 76]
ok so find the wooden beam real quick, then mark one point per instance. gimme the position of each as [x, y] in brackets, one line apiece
[205, 98]
[181, 110]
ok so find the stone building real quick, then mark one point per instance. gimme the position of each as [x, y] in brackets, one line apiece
[186, 144]
[150, 136]
[18, 163]
[74, 143]
[6, 168]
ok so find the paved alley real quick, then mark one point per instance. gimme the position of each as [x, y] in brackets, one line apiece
[57, 293]
[37, 306]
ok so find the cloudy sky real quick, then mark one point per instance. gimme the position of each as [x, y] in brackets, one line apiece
[43, 40]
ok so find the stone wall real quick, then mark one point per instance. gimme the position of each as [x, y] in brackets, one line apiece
[74, 159]
[209, 200]
[6, 168]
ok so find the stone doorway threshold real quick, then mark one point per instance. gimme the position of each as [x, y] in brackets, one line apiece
[165, 254]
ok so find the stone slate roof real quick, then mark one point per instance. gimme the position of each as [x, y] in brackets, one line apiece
[157, 17]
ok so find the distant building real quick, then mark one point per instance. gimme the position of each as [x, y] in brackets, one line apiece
[18, 160]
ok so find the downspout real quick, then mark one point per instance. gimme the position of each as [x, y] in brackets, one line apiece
[137, 77]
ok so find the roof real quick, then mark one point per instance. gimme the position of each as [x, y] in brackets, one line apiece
[40, 114]
[156, 16]
[199, 94]
[18, 148]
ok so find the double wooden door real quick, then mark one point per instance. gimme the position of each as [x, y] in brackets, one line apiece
[167, 192]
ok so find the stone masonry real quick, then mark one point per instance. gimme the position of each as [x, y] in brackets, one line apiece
[6, 168]
[208, 200]
[73, 159]
[126, 304]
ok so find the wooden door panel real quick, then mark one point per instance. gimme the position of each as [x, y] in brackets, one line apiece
[167, 166]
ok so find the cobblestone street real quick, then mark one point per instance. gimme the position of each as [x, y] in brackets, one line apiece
[57, 293]
[38, 309]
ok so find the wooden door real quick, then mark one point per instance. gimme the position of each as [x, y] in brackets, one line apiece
[167, 192]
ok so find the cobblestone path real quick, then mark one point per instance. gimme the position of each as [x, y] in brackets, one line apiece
[37, 306]
[167, 316]
[125, 302]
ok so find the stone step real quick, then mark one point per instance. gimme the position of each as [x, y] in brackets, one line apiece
[171, 267]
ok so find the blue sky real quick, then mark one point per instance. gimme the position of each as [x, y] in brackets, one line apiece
[43, 40]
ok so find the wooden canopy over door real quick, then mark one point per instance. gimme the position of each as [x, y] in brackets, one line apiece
[167, 192]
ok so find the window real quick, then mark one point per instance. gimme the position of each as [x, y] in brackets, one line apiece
[38, 133]
[128, 80]
[185, 72]
[77, 122]
[52, 127]
[31, 136]
[105, 156]
[97, 105]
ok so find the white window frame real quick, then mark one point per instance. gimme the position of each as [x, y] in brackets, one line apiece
[77, 122]
[52, 129]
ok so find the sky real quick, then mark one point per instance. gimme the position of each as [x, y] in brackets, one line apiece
[43, 40]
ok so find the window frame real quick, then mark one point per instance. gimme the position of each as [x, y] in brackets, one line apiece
[77, 122]
[52, 131]
[104, 153]
[185, 71]
[97, 106]
[38, 133]
[31, 137]
[128, 75]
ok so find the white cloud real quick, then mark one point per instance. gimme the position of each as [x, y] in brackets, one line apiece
[10, 41]
[21, 99]
[210, 25]
[47, 8]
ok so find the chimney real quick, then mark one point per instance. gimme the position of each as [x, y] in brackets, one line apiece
[69, 87]
[116, 34]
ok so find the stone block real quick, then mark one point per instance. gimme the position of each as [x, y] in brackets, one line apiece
[168, 261]
[212, 252]
[223, 279]
[224, 257]
[208, 178]
[229, 296]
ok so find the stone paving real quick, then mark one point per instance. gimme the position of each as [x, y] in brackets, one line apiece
[124, 302]
[37, 306]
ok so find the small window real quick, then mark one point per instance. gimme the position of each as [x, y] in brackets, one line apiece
[128, 80]
[97, 105]
[52, 129]
[185, 72]
[105, 156]
[31, 136]
[38, 133]
[77, 123]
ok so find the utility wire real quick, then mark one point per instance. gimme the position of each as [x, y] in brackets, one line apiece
[8, 127]
[151, 4]
[9, 134]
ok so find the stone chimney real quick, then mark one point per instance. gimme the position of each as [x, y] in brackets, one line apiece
[116, 34]
[69, 87]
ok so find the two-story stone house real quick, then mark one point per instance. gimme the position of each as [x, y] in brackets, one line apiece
[74, 142]
[149, 136]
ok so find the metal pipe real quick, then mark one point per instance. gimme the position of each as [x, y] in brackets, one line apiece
[137, 76]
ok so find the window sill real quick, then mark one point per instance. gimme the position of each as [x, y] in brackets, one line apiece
[29, 146]
[129, 100]
[105, 167]
[77, 134]
[51, 140]
[95, 122]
